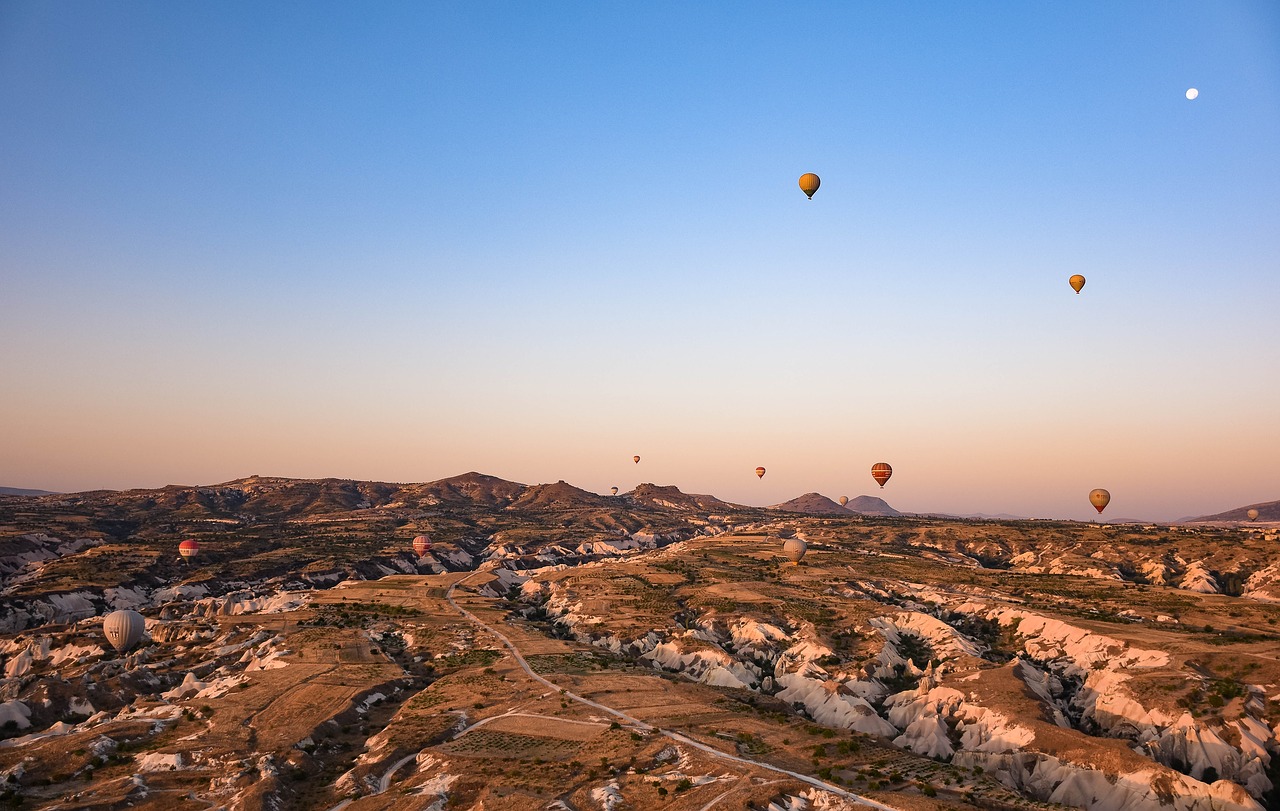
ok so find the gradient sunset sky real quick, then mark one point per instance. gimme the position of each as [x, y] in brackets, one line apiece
[404, 241]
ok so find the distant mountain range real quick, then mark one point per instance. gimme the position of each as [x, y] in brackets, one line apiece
[978, 516]
[18, 491]
[277, 497]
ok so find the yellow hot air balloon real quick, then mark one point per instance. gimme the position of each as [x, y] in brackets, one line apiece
[613, 490]
[1253, 515]
[881, 472]
[1076, 282]
[844, 500]
[809, 183]
[760, 472]
[1099, 499]
[636, 459]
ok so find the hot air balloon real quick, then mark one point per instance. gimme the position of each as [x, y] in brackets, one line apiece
[1099, 499]
[1076, 282]
[124, 629]
[422, 545]
[760, 472]
[1253, 514]
[844, 500]
[809, 183]
[881, 472]
[188, 549]
[636, 459]
[794, 549]
[613, 490]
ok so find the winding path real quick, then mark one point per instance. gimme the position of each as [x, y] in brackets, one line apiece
[637, 723]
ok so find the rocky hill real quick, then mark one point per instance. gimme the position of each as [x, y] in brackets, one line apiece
[669, 497]
[870, 505]
[1267, 511]
[812, 504]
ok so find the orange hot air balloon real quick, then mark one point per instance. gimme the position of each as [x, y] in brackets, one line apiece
[188, 549]
[636, 459]
[1253, 515]
[809, 183]
[881, 472]
[1099, 499]
[760, 472]
[422, 545]
[1076, 282]
[614, 490]
[844, 500]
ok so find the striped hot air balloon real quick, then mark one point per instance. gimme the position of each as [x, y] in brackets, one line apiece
[188, 549]
[124, 629]
[794, 549]
[881, 472]
[809, 183]
[422, 545]
[760, 472]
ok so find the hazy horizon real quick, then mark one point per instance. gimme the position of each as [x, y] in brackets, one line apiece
[874, 491]
[400, 243]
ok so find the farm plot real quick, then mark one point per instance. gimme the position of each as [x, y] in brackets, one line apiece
[485, 742]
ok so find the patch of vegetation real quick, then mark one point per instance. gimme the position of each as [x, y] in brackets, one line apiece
[472, 658]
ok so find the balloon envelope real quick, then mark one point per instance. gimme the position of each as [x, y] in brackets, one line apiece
[636, 459]
[422, 544]
[614, 490]
[1099, 499]
[844, 500]
[881, 472]
[1253, 515]
[794, 549]
[809, 183]
[188, 549]
[1076, 282]
[124, 629]
[760, 472]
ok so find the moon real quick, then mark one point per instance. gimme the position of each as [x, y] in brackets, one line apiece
[1192, 93]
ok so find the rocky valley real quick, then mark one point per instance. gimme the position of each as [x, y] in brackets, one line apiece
[559, 649]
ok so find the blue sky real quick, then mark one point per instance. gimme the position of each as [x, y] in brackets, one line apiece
[406, 241]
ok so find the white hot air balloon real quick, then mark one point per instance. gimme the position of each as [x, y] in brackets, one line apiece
[794, 549]
[124, 629]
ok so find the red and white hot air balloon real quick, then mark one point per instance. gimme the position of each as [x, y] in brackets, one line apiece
[422, 545]
[188, 549]
[760, 472]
